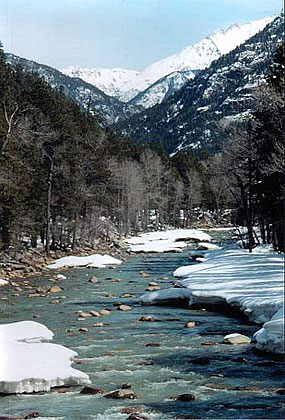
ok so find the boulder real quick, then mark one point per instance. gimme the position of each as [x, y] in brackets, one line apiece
[153, 283]
[90, 389]
[121, 394]
[104, 312]
[94, 313]
[124, 308]
[55, 289]
[190, 324]
[185, 397]
[152, 288]
[147, 318]
[152, 345]
[93, 279]
[236, 339]
[84, 330]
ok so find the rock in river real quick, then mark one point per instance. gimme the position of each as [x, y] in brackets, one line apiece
[90, 389]
[147, 318]
[124, 308]
[121, 394]
[185, 397]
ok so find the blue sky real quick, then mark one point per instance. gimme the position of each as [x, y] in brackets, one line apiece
[117, 33]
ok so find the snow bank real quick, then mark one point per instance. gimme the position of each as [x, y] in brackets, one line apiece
[166, 241]
[30, 365]
[271, 337]
[251, 282]
[95, 260]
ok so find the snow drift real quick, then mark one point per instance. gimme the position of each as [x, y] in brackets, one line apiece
[29, 364]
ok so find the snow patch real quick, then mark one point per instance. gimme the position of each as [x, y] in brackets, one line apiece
[28, 364]
[95, 260]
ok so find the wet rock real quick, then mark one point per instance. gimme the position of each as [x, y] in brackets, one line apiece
[94, 313]
[147, 318]
[280, 391]
[152, 288]
[250, 388]
[131, 410]
[55, 301]
[99, 324]
[241, 360]
[94, 279]
[200, 361]
[236, 339]
[83, 330]
[126, 386]
[217, 375]
[210, 343]
[144, 275]
[153, 283]
[127, 295]
[185, 397]
[146, 363]
[32, 295]
[110, 295]
[124, 308]
[190, 324]
[104, 312]
[152, 345]
[85, 315]
[115, 280]
[55, 289]
[43, 289]
[90, 389]
[121, 394]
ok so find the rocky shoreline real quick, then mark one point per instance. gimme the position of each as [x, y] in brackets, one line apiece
[33, 262]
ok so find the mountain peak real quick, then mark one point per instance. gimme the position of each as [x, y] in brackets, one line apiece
[127, 84]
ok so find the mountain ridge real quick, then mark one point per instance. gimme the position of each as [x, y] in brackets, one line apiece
[125, 85]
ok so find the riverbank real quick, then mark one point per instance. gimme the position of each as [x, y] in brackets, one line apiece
[251, 283]
[33, 262]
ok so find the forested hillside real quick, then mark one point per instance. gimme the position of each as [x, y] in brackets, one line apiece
[65, 180]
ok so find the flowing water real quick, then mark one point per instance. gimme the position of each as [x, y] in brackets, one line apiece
[116, 353]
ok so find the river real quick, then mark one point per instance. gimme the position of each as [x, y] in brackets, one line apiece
[117, 353]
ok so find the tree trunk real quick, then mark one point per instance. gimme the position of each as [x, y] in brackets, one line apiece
[48, 212]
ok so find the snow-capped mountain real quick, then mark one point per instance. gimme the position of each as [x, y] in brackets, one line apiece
[125, 85]
[86, 95]
[223, 93]
[162, 89]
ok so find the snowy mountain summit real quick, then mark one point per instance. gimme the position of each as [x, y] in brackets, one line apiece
[125, 85]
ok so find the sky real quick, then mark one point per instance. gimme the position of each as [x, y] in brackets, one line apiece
[117, 33]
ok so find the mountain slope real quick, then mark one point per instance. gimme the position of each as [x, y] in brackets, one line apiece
[126, 84]
[85, 94]
[188, 119]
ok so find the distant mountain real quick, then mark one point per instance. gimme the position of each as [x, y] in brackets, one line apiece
[223, 92]
[125, 85]
[86, 95]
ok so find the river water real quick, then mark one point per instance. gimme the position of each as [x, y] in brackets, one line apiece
[116, 353]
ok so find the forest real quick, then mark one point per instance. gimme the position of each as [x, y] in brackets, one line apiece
[65, 180]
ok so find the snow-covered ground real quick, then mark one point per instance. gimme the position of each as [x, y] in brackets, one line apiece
[95, 261]
[30, 364]
[251, 282]
[166, 241]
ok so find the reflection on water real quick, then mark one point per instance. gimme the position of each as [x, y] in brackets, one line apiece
[117, 353]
